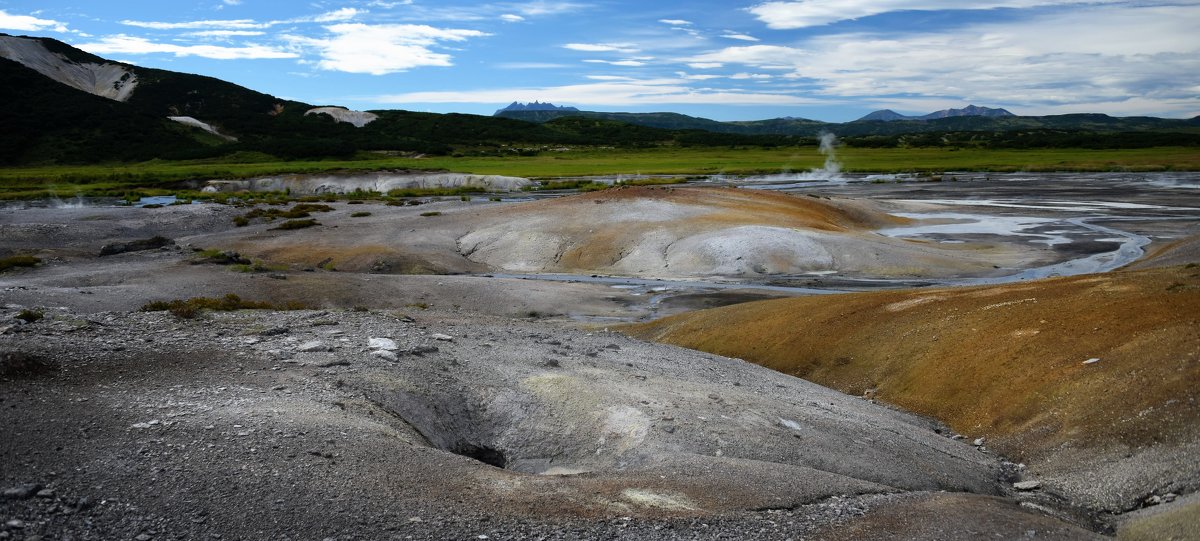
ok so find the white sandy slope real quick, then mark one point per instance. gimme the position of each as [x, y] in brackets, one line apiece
[341, 114]
[112, 81]
[189, 121]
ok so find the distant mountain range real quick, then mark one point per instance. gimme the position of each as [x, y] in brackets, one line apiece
[64, 105]
[535, 106]
[888, 115]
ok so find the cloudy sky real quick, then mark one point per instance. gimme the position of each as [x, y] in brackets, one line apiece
[832, 60]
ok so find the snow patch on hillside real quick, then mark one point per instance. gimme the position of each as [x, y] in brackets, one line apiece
[341, 114]
[112, 81]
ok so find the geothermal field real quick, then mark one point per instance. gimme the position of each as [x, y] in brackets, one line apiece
[970, 356]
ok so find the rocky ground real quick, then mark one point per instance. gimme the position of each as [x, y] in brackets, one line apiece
[357, 425]
[435, 407]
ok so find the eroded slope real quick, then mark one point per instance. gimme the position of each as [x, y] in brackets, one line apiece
[1006, 363]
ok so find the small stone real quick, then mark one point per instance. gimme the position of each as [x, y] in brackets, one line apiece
[442, 337]
[15, 524]
[22, 492]
[45, 493]
[421, 350]
[386, 355]
[386, 344]
[978, 442]
[143, 537]
[1093, 360]
[311, 346]
[415, 519]
[1169, 497]
[1027, 485]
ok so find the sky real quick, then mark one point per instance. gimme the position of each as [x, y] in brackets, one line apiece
[830, 60]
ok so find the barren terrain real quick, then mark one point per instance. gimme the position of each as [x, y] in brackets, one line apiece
[410, 400]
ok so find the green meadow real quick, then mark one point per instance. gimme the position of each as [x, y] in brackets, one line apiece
[165, 176]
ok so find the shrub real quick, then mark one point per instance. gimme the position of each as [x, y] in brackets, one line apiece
[18, 261]
[29, 316]
[431, 213]
[190, 308]
[359, 214]
[296, 224]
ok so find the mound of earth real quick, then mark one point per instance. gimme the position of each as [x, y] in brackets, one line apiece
[1090, 380]
[365, 425]
[700, 232]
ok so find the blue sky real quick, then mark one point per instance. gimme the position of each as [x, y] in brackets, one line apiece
[832, 60]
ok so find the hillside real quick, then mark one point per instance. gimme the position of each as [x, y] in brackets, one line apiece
[1090, 380]
[124, 104]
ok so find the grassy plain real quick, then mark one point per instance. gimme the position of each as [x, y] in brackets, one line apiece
[114, 179]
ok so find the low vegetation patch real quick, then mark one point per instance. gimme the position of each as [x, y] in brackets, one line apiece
[363, 214]
[18, 261]
[296, 224]
[301, 210]
[190, 308]
[29, 316]
[431, 213]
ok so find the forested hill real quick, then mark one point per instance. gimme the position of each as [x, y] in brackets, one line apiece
[63, 105]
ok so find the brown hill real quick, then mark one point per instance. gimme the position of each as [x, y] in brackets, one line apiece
[1008, 363]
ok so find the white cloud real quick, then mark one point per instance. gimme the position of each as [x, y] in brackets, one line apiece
[530, 65]
[675, 22]
[344, 14]
[1113, 58]
[740, 37]
[382, 49]
[705, 65]
[625, 63]
[231, 2]
[602, 47]
[667, 91]
[122, 44]
[389, 5]
[225, 33]
[807, 13]
[545, 7]
[742, 76]
[28, 23]
[512, 18]
[190, 25]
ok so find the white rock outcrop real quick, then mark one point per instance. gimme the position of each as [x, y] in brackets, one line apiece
[189, 121]
[112, 81]
[341, 114]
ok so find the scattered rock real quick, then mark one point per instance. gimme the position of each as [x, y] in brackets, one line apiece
[386, 344]
[442, 337]
[386, 355]
[274, 331]
[22, 492]
[151, 243]
[978, 442]
[331, 364]
[16, 364]
[1093, 360]
[1025, 486]
[312, 346]
[15, 524]
[422, 350]
[45, 493]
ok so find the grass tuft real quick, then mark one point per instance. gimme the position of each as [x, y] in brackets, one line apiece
[18, 261]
